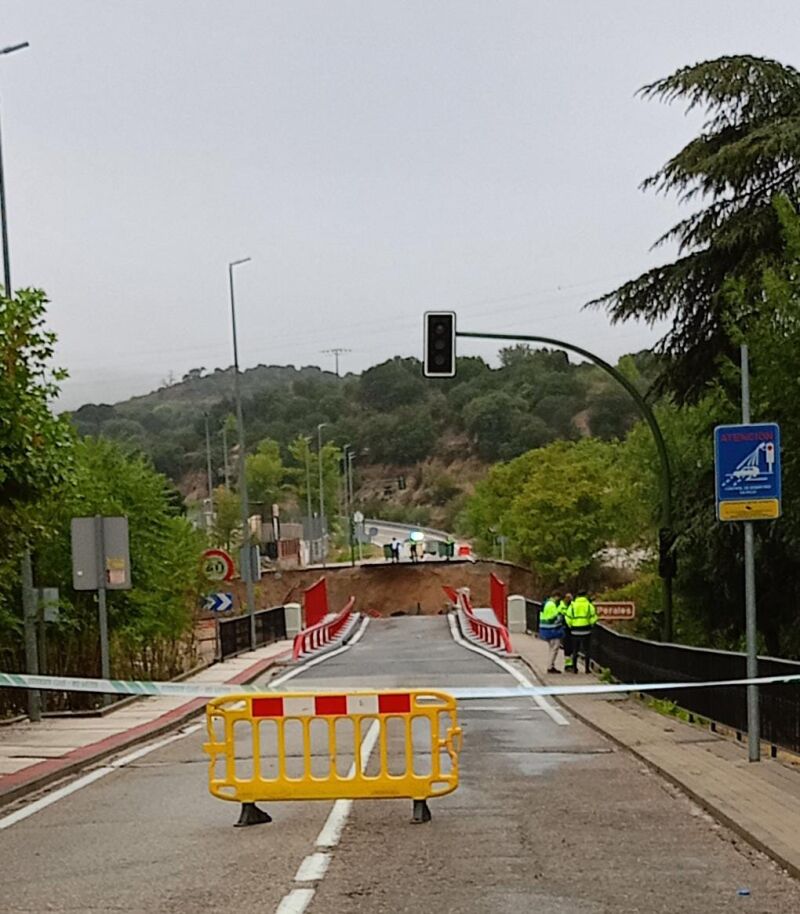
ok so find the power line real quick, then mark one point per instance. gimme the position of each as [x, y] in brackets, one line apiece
[336, 353]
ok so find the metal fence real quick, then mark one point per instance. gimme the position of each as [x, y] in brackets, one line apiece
[234, 634]
[638, 661]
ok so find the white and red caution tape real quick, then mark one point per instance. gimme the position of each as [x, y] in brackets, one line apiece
[464, 693]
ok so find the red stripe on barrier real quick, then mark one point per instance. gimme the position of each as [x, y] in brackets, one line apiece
[394, 704]
[267, 707]
[330, 704]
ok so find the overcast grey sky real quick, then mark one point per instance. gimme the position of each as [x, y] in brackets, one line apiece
[375, 159]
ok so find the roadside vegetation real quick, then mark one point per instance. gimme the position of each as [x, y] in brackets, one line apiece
[49, 474]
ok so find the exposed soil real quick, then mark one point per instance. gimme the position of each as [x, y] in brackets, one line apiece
[388, 589]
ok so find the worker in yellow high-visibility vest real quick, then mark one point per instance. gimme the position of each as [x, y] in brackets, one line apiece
[580, 618]
[566, 641]
[551, 628]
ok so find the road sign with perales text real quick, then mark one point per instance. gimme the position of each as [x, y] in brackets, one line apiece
[747, 463]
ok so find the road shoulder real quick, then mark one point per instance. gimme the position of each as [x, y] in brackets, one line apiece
[35, 755]
[761, 802]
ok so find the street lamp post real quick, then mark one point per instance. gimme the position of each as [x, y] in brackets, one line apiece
[28, 599]
[666, 536]
[210, 478]
[246, 560]
[321, 492]
[3, 206]
[349, 482]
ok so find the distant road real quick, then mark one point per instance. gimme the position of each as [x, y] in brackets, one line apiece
[387, 530]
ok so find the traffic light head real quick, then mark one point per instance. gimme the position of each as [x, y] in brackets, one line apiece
[440, 344]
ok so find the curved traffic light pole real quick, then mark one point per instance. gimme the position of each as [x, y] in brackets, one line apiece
[666, 535]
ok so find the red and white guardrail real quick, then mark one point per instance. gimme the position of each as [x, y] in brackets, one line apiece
[323, 633]
[487, 634]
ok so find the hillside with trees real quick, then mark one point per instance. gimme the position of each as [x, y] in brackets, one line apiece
[390, 414]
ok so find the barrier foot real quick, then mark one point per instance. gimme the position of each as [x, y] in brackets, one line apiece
[421, 812]
[252, 815]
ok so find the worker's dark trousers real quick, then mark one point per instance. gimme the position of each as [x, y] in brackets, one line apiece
[581, 644]
[566, 643]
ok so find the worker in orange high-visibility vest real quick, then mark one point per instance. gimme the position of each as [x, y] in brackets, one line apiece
[580, 618]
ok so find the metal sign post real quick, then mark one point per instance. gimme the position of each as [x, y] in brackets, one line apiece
[747, 464]
[102, 612]
[31, 647]
[751, 630]
[101, 562]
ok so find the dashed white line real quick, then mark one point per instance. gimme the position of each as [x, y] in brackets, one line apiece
[90, 778]
[314, 866]
[332, 829]
[553, 713]
[295, 902]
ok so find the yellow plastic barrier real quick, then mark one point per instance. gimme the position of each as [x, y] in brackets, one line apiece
[314, 746]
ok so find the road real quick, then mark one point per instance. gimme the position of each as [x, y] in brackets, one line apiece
[549, 818]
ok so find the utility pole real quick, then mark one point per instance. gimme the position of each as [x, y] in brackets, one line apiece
[336, 353]
[245, 561]
[751, 631]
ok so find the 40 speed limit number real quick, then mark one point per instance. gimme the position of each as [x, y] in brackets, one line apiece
[217, 565]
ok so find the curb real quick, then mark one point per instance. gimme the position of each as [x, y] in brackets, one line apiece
[19, 784]
[702, 801]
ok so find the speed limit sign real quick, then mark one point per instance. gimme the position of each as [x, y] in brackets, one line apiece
[218, 565]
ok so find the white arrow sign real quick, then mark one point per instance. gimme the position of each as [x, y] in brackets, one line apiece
[218, 602]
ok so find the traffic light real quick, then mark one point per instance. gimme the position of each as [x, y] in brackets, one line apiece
[440, 344]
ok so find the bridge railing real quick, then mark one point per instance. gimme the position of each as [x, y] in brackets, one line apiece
[638, 660]
[234, 634]
[491, 634]
[317, 636]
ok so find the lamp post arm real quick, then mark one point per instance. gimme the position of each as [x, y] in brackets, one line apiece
[647, 415]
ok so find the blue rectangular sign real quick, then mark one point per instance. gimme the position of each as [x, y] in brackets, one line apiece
[747, 465]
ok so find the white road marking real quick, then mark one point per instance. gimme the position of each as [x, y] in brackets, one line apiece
[497, 708]
[313, 868]
[295, 902]
[90, 778]
[553, 713]
[146, 750]
[322, 658]
[332, 829]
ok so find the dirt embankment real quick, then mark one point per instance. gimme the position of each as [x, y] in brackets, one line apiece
[389, 588]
